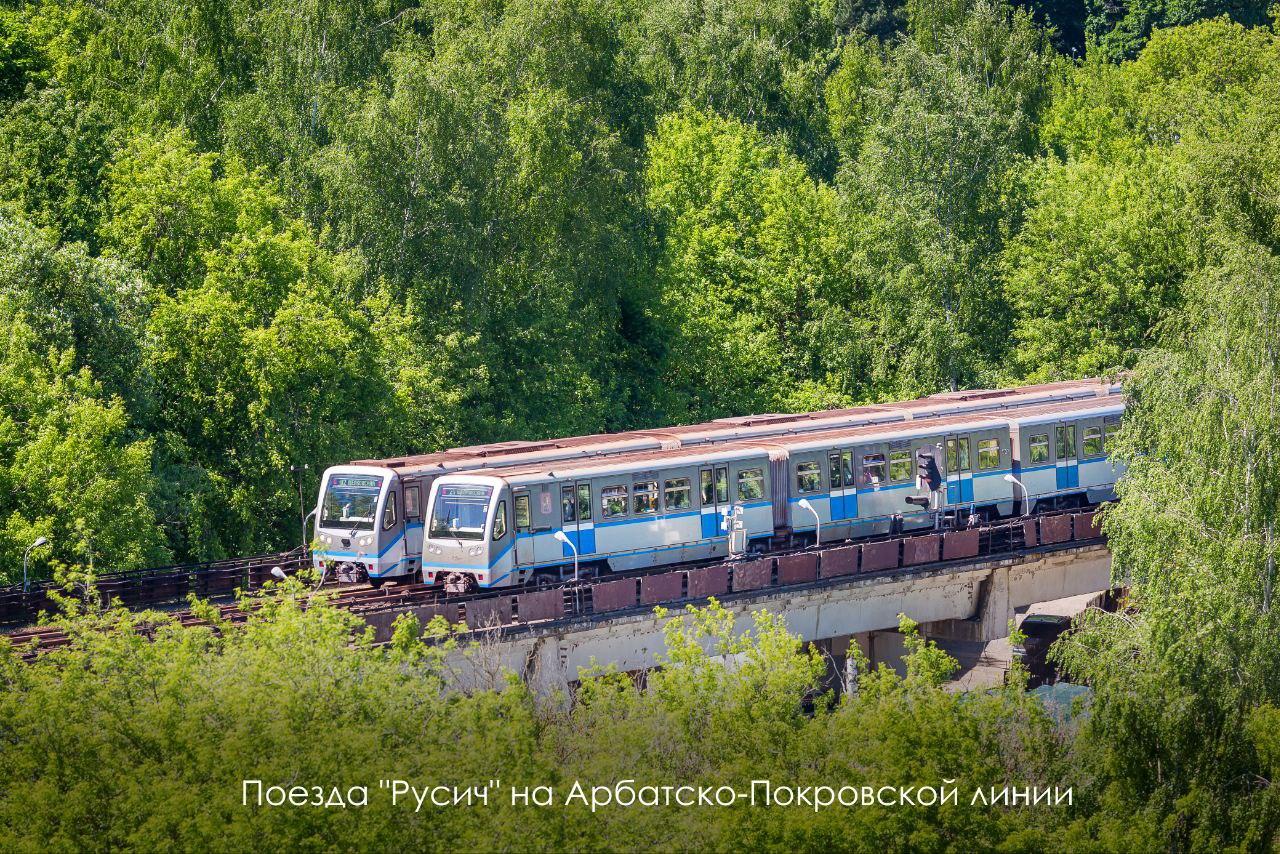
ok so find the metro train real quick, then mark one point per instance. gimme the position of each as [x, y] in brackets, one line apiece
[370, 515]
[492, 527]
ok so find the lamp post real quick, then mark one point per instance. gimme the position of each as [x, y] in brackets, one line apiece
[299, 473]
[564, 538]
[817, 521]
[1026, 497]
[40, 541]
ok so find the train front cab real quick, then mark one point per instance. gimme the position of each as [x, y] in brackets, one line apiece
[368, 525]
[469, 540]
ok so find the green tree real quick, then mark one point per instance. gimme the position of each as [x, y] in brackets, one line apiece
[70, 470]
[53, 155]
[1097, 266]
[1194, 536]
[1119, 31]
[94, 307]
[935, 186]
[750, 271]
[759, 62]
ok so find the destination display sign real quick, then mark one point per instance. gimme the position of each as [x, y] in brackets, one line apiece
[466, 491]
[354, 481]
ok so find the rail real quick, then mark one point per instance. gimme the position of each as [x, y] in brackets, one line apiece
[640, 589]
[645, 589]
[156, 586]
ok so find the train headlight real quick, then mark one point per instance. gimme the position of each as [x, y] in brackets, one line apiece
[364, 541]
[326, 539]
[474, 551]
[435, 550]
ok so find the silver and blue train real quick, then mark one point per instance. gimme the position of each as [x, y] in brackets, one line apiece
[529, 512]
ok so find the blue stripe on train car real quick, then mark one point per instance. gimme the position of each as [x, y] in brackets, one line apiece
[711, 525]
[960, 491]
[844, 506]
[584, 541]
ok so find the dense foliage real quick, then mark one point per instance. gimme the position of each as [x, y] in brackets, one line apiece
[239, 238]
[262, 236]
[154, 738]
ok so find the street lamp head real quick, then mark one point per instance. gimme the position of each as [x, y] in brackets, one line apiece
[562, 537]
[1008, 478]
[40, 541]
[804, 502]
[278, 573]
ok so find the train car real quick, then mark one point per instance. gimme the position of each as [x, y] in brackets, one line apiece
[357, 549]
[494, 528]
[1063, 453]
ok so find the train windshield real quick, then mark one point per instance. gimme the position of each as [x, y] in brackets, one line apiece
[460, 511]
[351, 501]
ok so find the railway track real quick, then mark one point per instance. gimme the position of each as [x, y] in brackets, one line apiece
[145, 588]
[600, 595]
[43, 638]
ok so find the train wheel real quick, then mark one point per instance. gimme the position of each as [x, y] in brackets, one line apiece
[375, 583]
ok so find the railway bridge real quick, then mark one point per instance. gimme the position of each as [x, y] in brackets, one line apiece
[962, 586]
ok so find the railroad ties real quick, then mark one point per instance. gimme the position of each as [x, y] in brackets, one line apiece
[494, 609]
[610, 595]
[144, 588]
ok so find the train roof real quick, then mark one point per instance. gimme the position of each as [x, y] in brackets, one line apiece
[773, 446]
[519, 454]
[1057, 411]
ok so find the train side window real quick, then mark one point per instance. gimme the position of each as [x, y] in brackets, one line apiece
[722, 484]
[584, 502]
[989, 454]
[1109, 432]
[1039, 447]
[522, 512]
[750, 484]
[676, 494]
[613, 502]
[846, 467]
[1092, 444]
[833, 464]
[500, 521]
[389, 512]
[900, 465]
[644, 496]
[873, 469]
[568, 504]
[958, 455]
[808, 477]
[707, 482]
[411, 499]
[1066, 441]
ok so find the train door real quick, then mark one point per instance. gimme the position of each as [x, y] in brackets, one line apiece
[713, 482]
[959, 471]
[575, 516]
[522, 514]
[1068, 463]
[844, 491]
[413, 491]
